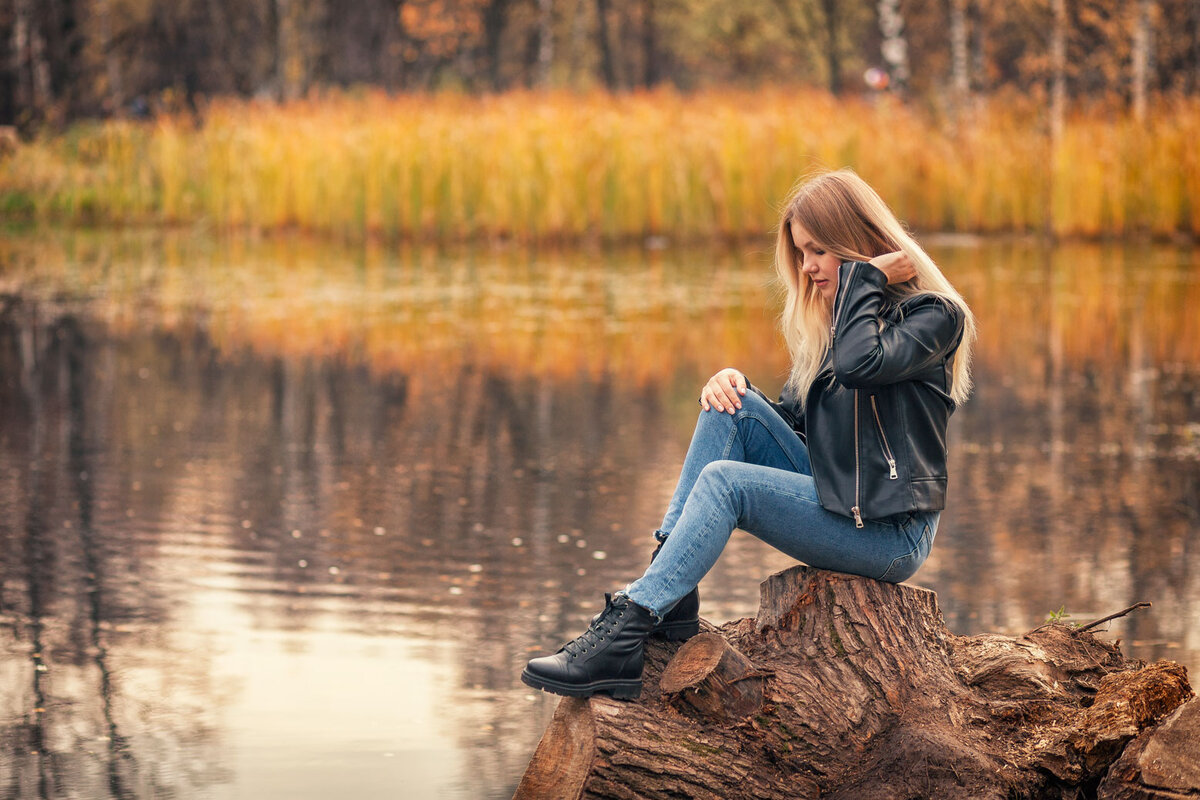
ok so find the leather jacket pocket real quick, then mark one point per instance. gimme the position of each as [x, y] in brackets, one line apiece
[888, 455]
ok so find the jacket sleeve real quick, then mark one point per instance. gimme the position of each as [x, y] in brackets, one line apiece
[868, 353]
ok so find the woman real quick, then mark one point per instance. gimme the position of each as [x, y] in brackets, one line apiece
[846, 472]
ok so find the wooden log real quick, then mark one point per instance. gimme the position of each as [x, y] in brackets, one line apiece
[864, 694]
[1163, 763]
[709, 676]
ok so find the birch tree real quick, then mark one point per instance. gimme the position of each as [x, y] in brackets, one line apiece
[960, 76]
[1058, 69]
[1141, 56]
[894, 45]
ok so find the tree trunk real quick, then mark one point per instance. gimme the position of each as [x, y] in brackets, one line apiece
[578, 39]
[545, 42]
[846, 687]
[978, 58]
[607, 67]
[1195, 11]
[35, 94]
[832, 56]
[495, 17]
[960, 65]
[894, 44]
[114, 94]
[290, 72]
[1140, 57]
[650, 70]
[1058, 71]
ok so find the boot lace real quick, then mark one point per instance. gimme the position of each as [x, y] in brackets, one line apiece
[598, 631]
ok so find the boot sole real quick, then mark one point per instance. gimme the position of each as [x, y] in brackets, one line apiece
[677, 631]
[620, 690]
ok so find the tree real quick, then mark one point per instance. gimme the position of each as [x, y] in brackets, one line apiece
[894, 45]
[1140, 67]
[607, 66]
[650, 65]
[1058, 67]
[959, 59]
[545, 42]
[833, 24]
[34, 93]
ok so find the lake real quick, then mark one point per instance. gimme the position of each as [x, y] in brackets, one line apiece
[283, 518]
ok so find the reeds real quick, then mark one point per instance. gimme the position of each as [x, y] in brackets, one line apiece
[562, 166]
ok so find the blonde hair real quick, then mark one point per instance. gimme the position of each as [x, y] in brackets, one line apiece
[846, 217]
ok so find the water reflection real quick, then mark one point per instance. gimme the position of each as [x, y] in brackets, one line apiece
[281, 521]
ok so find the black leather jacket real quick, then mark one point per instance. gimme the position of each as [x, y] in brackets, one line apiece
[875, 417]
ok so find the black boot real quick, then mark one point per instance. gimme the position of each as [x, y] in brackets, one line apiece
[608, 657]
[683, 621]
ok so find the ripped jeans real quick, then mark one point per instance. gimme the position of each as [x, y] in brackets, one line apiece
[751, 471]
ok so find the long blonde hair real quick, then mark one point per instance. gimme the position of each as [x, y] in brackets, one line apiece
[846, 217]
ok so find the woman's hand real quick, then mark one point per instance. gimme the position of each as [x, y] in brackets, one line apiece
[897, 266]
[723, 391]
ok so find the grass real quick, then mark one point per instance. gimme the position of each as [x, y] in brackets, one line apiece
[568, 167]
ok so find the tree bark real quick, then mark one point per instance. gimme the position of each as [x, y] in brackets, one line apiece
[846, 687]
[1161, 763]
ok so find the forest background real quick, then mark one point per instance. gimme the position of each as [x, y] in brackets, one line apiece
[617, 118]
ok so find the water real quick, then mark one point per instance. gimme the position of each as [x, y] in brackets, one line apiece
[284, 519]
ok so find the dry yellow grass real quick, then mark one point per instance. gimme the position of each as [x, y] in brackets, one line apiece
[571, 166]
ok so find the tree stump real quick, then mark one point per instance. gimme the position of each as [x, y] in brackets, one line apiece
[846, 687]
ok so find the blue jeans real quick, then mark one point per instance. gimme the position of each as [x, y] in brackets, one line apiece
[750, 470]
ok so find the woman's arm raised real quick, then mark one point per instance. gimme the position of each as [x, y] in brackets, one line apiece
[867, 353]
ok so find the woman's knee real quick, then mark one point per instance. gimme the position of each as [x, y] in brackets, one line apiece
[753, 402]
[718, 477]
[752, 406]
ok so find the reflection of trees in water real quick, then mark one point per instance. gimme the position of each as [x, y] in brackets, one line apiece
[546, 313]
[69, 596]
[310, 466]
[1076, 470]
[309, 489]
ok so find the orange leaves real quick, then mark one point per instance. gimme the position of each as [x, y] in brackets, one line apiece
[444, 27]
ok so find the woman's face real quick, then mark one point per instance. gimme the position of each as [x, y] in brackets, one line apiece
[818, 264]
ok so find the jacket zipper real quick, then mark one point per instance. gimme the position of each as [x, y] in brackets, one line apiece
[887, 449]
[858, 523]
[837, 301]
